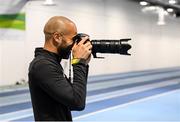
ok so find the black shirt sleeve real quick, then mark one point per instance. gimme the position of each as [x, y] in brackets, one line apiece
[51, 79]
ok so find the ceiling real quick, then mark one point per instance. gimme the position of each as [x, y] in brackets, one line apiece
[164, 4]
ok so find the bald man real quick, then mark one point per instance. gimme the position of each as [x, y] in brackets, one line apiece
[53, 95]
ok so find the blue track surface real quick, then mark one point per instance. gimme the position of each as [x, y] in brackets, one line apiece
[164, 108]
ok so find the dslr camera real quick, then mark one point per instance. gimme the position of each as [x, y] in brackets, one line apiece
[106, 46]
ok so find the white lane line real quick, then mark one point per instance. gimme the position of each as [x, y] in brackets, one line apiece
[15, 99]
[16, 115]
[13, 89]
[140, 79]
[128, 91]
[126, 104]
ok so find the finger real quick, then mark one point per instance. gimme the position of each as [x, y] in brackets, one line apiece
[87, 44]
[75, 45]
[83, 40]
[89, 47]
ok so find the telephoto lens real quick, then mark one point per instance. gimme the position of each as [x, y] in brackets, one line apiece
[106, 46]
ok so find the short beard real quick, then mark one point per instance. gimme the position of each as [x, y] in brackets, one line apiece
[64, 53]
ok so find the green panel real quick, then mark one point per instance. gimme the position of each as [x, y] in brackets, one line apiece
[14, 21]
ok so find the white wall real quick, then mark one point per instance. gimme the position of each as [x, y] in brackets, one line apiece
[12, 61]
[152, 46]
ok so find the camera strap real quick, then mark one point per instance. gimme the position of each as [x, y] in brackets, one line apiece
[70, 77]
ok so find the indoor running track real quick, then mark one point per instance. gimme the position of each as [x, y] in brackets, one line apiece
[149, 95]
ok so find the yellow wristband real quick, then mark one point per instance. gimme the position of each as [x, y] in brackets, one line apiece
[75, 61]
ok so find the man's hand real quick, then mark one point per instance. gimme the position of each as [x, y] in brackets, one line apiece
[81, 50]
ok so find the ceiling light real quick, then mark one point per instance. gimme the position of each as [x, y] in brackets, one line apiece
[170, 10]
[143, 3]
[49, 2]
[172, 1]
[151, 9]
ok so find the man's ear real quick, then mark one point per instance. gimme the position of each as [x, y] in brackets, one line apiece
[57, 38]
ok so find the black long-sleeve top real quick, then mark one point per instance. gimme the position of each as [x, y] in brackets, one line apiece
[52, 95]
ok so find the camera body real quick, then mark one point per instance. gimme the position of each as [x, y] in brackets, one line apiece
[79, 36]
[106, 46]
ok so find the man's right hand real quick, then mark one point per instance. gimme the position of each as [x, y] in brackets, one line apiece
[81, 50]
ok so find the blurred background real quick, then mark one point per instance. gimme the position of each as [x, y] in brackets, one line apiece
[141, 87]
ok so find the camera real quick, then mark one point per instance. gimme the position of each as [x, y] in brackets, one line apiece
[106, 46]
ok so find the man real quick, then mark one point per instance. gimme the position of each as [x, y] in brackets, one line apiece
[53, 95]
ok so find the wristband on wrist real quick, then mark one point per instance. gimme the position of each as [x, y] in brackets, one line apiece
[75, 61]
[78, 61]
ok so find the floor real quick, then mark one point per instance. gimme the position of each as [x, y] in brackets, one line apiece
[149, 95]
